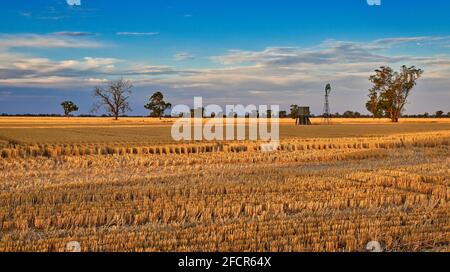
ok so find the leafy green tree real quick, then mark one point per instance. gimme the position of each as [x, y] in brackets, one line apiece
[201, 112]
[373, 104]
[294, 111]
[351, 114]
[391, 90]
[439, 114]
[69, 107]
[157, 106]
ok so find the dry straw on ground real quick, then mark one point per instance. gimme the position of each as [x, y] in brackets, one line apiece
[313, 194]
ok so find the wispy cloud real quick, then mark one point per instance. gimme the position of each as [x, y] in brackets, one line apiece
[22, 70]
[183, 56]
[274, 65]
[59, 10]
[73, 33]
[25, 14]
[20, 66]
[137, 33]
[329, 52]
[46, 41]
[282, 74]
[440, 41]
[5, 95]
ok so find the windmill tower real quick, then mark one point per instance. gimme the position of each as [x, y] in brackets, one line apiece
[326, 107]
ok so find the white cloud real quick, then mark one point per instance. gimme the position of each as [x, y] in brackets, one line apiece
[282, 75]
[427, 40]
[73, 33]
[23, 69]
[329, 52]
[137, 33]
[45, 41]
[182, 56]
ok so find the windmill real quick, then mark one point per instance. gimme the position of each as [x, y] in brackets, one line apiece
[326, 107]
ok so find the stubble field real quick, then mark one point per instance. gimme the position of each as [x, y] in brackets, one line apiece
[126, 186]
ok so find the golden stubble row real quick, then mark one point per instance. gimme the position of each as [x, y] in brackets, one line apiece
[317, 199]
[292, 144]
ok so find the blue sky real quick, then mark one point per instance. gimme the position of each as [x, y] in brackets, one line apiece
[250, 52]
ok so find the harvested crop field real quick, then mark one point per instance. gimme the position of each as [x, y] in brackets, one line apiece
[127, 186]
[154, 131]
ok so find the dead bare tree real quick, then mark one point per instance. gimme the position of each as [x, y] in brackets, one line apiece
[113, 98]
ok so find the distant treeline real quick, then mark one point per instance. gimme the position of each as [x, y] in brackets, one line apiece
[62, 115]
[283, 114]
[352, 114]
